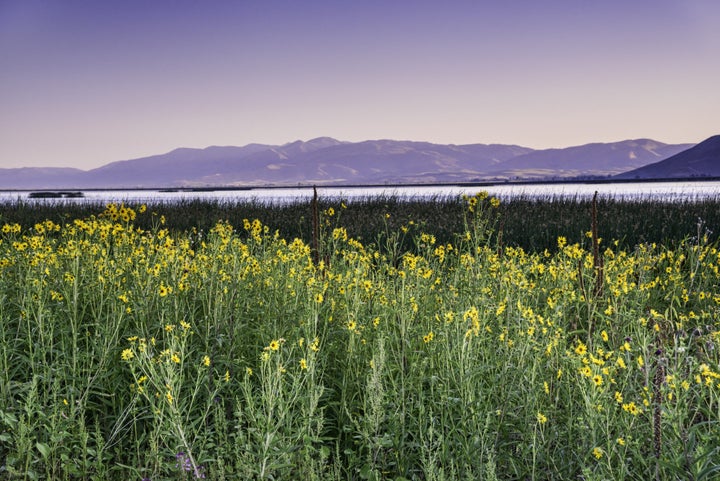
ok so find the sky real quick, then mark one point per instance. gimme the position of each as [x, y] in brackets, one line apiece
[84, 83]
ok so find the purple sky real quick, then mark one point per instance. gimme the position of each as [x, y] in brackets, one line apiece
[84, 83]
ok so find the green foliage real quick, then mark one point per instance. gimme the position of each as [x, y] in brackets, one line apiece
[132, 347]
[532, 223]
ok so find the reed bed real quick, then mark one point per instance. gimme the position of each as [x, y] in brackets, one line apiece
[531, 223]
[188, 342]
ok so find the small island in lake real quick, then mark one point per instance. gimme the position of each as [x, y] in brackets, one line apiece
[55, 195]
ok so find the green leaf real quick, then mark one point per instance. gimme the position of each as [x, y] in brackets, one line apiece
[324, 452]
[709, 471]
[367, 472]
[43, 448]
[8, 419]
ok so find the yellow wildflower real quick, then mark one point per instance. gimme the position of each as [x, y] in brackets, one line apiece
[631, 408]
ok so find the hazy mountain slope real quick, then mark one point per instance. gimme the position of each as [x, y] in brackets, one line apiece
[172, 168]
[251, 169]
[372, 161]
[36, 177]
[702, 160]
[326, 161]
[593, 159]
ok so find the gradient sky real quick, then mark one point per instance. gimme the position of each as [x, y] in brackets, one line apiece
[84, 83]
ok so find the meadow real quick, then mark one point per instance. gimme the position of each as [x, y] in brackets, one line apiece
[466, 339]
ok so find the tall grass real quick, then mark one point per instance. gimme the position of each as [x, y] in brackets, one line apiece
[532, 223]
[232, 352]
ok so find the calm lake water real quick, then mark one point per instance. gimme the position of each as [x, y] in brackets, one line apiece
[671, 191]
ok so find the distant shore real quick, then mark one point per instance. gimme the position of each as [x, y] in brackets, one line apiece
[479, 183]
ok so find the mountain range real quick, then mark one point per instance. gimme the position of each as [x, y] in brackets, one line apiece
[327, 161]
[702, 160]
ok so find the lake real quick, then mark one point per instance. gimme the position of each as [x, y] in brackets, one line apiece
[670, 191]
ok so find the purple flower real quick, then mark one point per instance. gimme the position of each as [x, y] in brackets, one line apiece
[185, 463]
[200, 472]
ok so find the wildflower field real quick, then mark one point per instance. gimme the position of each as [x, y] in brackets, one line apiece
[132, 351]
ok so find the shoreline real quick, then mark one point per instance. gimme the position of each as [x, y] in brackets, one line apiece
[227, 188]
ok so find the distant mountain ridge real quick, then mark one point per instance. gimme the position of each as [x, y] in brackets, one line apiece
[702, 160]
[327, 161]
